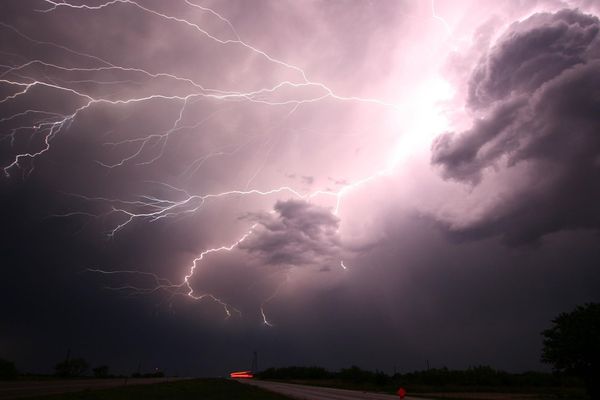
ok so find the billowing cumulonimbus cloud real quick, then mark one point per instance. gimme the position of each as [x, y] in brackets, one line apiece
[297, 233]
[536, 100]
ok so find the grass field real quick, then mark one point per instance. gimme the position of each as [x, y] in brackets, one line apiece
[194, 389]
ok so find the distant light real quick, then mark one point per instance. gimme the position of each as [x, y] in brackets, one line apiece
[241, 375]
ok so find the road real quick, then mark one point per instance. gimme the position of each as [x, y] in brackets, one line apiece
[20, 389]
[304, 392]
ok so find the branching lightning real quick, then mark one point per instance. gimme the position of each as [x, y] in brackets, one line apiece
[21, 79]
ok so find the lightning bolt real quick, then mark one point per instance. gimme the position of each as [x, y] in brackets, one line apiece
[267, 300]
[437, 17]
[147, 149]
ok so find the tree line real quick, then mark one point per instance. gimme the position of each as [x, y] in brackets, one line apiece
[473, 376]
[76, 367]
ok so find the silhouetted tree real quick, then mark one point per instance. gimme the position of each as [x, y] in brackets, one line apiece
[101, 371]
[71, 368]
[572, 345]
[7, 370]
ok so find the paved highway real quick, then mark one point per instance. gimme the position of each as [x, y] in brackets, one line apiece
[20, 389]
[303, 392]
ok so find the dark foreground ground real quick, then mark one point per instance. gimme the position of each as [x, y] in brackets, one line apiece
[321, 393]
[189, 389]
[221, 389]
[45, 386]
[455, 392]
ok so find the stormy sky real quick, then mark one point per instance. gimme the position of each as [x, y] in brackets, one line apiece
[379, 183]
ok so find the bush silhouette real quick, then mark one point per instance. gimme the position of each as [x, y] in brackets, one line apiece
[71, 368]
[7, 370]
[100, 371]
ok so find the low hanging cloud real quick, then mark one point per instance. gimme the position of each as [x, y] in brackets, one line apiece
[535, 97]
[296, 233]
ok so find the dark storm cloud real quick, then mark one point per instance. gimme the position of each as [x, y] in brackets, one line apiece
[533, 52]
[536, 99]
[296, 234]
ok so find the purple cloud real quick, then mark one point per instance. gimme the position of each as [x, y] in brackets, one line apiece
[535, 101]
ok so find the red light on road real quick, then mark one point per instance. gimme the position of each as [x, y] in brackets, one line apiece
[401, 392]
[241, 374]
